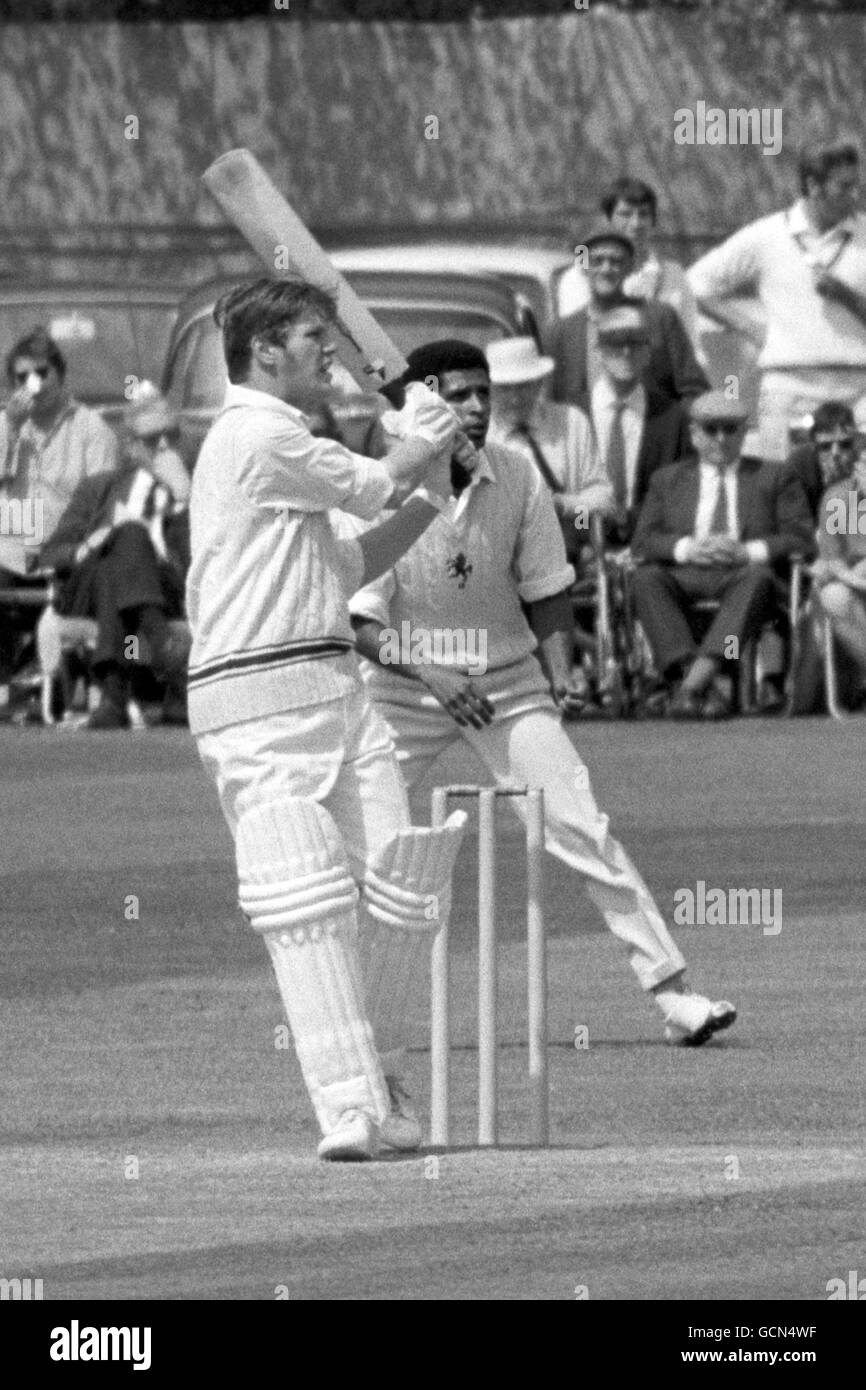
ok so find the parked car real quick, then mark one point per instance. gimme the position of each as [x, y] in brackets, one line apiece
[413, 306]
[107, 334]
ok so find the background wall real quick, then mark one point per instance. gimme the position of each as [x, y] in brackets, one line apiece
[533, 115]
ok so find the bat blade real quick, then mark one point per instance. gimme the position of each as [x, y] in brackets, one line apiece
[271, 226]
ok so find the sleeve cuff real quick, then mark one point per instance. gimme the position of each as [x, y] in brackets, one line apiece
[533, 591]
[367, 604]
[682, 549]
[758, 552]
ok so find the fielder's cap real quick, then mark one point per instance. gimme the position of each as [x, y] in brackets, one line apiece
[602, 230]
[148, 411]
[624, 324]
[715, 405]
[516, 360]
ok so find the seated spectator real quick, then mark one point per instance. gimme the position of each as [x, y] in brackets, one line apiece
[631, 206]
[719, 527]
[48, 444]
[121, 551]
[556, 438]
[839, 573]
[672, 372]
[830, 453]
[637, 432]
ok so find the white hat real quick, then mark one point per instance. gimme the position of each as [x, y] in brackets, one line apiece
[148, 411]
[514, 360]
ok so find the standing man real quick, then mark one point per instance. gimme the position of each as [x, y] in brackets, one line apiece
[718, 527]
[631, 206]
[807, 266]
[48, 443]
[672, 372]
[305, 771]
[500, 548]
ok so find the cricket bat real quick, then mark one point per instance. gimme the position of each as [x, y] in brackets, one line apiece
[273, 229]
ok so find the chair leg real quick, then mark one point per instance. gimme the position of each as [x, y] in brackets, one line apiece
[830, 674]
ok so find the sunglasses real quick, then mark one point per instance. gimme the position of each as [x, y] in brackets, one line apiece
[725, 427]
[41, 372]
[845, 441]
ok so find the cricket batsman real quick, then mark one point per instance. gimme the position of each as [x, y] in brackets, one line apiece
[331, 872]
[496, 553]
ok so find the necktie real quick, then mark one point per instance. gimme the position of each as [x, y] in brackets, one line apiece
[719, 522]
[542, 464]
[615, 460]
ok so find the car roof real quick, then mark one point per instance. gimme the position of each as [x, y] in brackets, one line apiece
[469, 257]
[97, 294]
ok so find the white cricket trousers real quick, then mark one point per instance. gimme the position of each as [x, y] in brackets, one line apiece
[526, 743]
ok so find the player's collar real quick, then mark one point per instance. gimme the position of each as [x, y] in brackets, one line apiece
[263, 400]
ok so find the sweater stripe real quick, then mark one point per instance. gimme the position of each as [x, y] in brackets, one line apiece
[263, 658]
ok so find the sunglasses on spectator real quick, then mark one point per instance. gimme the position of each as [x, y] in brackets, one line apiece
[726, 427]
[41, 372]
[845, 441]
[171, 436]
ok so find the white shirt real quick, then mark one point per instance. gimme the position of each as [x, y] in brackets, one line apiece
[708, 493]
[564, 435]
[602, 404]
[469, 571]
[268, 587]
[774, 259]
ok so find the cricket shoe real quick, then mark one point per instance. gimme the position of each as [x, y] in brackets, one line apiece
[401, 1128]
[355, 1139]
[692, 1020]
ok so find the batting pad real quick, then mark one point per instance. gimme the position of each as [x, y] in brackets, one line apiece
[406, 897]
[296, 889]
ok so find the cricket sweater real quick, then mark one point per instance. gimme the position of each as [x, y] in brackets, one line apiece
[269, 581]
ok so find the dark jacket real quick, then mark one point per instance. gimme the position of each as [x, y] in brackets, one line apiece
[673, 373]
[771, 507]
[92, 506]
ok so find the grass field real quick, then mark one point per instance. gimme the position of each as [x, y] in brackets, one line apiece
[155, 1143]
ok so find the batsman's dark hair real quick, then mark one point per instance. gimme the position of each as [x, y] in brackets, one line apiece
[627, 190]
[831, 415]
[445, 355]
[39, 345]
[818, 161]
[265, 309]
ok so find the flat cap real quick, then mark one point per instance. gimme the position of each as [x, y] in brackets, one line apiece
[715, 405]
[602, 230]
[625, 323]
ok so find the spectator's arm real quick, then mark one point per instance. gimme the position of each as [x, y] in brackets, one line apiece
[689, 377]
[653, 541]
[729, 269]
[78, 521]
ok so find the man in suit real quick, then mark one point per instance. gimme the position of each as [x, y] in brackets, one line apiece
[672, 372]
[121, 551]
[720, 527]
[636, 432]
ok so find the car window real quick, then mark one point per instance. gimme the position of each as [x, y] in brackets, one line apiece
[103, 344]
[196, 376]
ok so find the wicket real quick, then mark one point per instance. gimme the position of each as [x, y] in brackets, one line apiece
[440, 1042]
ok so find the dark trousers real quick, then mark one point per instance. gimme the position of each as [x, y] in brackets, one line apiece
[664, 595]
[17, 620]
[111, 585]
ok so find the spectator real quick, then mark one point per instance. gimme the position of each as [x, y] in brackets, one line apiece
[830, 453]
[839, 573]
[556, 438]
[631, 206]
[672, 372]
[807, 265]
[637, 432]
[716, 528]
[121, 551]
[48, 443]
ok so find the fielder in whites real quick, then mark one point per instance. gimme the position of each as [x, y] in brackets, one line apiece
[496, 553]
[346, 893]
